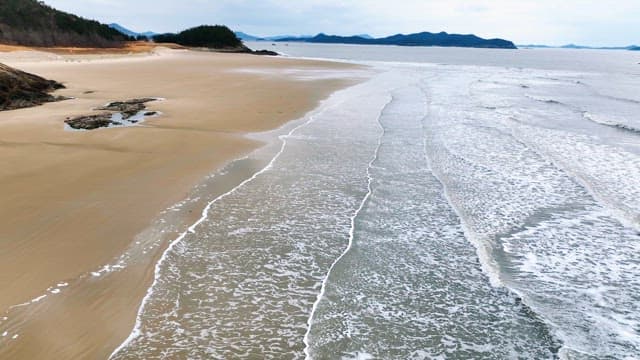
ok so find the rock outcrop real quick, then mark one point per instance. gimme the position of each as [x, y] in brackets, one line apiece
[90, 122]
[264, 53]
[19, 89]
[126, 110]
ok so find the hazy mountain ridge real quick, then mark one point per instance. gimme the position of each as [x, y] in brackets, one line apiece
[125, 31]
[248, 37]
[33, 23]
[580, 47]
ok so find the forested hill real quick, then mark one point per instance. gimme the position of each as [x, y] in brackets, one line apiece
[208, 36]
[33, 23]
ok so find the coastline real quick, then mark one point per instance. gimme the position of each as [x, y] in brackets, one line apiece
[76, 201]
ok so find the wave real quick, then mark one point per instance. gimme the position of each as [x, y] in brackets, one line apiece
[351, 234]
[136, 331]
[544, 100]
[602, 121]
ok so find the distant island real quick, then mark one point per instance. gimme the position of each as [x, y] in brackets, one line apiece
[417, 39]
[32, 23]
[580, 47]
[247, 37]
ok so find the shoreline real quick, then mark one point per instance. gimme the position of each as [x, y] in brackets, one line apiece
[52, 324]
[298, 123]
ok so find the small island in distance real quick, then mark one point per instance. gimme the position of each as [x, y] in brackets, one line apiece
[418, 39]
[580, 47]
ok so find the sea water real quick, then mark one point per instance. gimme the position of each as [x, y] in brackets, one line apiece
[460, 203]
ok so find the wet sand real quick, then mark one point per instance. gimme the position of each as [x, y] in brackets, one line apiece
[71, 202]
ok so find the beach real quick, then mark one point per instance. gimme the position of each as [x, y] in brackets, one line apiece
[453, 205]
[73, 201]
[418, 203]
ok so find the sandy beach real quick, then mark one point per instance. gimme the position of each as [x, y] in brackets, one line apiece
[71, 202]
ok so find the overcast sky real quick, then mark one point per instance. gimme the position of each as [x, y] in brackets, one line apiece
[553, 22]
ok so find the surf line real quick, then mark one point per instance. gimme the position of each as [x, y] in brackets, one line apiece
[489, 266]
[323, 287]
[611, 209]
[136, 331]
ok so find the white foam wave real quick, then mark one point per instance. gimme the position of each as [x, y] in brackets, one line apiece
[487, 262]
[351, 234]
[543, 99]
[608, 122]
[136, 332]
[360, 355]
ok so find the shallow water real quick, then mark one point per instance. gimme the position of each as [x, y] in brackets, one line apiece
[434, 211]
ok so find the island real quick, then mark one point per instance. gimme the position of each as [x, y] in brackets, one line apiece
[418, 39]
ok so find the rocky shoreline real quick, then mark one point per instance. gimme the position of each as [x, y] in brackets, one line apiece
[240, 50]
[19, 89]
[119, 113]
[264, 53]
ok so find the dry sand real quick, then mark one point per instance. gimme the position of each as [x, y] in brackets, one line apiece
[71, 202]
[134, 47]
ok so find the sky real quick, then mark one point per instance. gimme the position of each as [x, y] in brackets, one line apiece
[551, 22]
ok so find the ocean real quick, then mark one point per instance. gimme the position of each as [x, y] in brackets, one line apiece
[454, 204]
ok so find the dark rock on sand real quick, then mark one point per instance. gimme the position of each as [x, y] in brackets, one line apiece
[19, 89]
[90, 122]
[265, 53]
[116, 104]
[128, 108]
